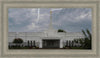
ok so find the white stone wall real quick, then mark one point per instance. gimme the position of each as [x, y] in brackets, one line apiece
[38, 36]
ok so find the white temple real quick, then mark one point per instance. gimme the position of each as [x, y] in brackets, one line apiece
[48, 38]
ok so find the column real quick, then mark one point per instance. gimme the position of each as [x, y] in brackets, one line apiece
[61, 43]
[40, 46]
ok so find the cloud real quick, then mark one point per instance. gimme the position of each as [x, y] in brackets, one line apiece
[73, 19]
[73, 14]
[32, 26]
[54, 9]
[19, 15]
[69, 19]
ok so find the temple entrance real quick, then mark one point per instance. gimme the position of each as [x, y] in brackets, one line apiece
[51, 43]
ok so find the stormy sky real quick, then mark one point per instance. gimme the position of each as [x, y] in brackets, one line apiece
[37, 19]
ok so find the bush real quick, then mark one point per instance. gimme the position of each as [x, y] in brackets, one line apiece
[18, 40]
[60, 30]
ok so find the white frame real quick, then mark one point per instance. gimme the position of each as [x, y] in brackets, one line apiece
[5, 52]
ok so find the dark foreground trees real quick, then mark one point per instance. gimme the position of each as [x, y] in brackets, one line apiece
[18, 41]
[87, 39]
[83, 43]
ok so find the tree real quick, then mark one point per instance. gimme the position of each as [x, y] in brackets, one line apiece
[67, 43]
[60, 30]
[81, 40]
[76, 40]
[87, 39]
[18, 41]
[28, 43]
[34, 44]
[31, 43]
[72, 43]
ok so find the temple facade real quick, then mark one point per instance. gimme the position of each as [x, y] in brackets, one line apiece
[48, 38]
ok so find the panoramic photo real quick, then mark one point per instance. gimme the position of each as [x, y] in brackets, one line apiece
[50, 28]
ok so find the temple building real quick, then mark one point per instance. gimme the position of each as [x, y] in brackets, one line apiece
[49, 38]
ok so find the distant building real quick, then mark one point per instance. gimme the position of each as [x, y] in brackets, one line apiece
[50, 38]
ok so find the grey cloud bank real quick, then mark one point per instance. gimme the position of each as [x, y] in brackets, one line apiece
[69, 19]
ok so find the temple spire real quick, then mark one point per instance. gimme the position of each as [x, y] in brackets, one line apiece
[50, 25]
